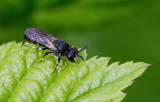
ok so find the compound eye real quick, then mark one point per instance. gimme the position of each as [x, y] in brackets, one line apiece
[71, 55]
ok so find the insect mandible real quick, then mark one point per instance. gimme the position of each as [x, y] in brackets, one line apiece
[57, 46]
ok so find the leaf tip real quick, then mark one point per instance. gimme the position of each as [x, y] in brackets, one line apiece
[14, 41]
[126, 93]
[150, 64]
[133, 81]
[110, 57]
[3, 44]
[21, 42]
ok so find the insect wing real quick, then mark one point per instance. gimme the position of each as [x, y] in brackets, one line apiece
[39, 37]
[51, 38]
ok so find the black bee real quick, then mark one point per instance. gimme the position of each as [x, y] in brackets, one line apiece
[56, 46]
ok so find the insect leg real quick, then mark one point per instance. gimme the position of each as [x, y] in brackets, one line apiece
[44, 56]
[36, 48]
[59, 59]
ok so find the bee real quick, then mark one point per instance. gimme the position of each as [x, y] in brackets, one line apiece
[57, 46]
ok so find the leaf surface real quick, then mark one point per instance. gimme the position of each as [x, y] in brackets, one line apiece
[23, 79]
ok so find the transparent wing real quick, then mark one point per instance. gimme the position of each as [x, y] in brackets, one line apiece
[39, 37]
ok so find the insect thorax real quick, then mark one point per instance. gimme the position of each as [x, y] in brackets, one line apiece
[62, 46]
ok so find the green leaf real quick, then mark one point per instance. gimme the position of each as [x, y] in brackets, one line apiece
[23, 79]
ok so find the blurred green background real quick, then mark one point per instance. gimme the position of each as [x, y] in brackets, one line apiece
[123, 29]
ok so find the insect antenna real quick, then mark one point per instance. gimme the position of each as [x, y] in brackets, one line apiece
[80, 57]
[85, 47]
